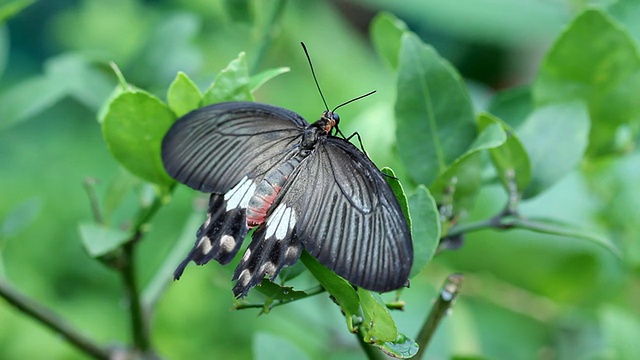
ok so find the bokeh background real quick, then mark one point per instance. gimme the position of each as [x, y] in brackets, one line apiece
[526, 296]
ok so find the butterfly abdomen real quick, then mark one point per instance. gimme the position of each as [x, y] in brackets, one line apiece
[268, 189]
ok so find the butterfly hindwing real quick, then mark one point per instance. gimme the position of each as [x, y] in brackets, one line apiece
[348, 218]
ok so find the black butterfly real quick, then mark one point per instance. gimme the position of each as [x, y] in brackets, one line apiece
[300, 186]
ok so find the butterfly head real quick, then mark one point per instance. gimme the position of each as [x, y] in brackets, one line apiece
[328, 121]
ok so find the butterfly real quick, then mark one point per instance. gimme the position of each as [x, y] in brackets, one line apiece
[299, 185]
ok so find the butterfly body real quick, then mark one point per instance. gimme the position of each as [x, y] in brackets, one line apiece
[300, 186]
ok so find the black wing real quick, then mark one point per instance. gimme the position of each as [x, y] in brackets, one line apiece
[348, 217]
[212, 148]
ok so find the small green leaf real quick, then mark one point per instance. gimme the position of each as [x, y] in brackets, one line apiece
[435, 120]
[276, 292]
[231, 84]
[258, 80]
[133, 128]
[398, 191]
[607, 82]
[462, 179]
[99, 240]
[378, 324]
[183, 95]
[555, 137]
[426, 230]
[401, 348]
[510, 159]
[339, 288]
[386, 33]
[28, 98]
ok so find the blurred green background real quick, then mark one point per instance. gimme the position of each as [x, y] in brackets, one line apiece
[526, 296]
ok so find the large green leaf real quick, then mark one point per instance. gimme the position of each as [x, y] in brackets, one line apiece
[555, 137]
[426, 230]
[65, 75]
[435, 121]
[231, 84]
[343, 293]
[595, 61]
[133, 127]
[512, 105]
[386, 34]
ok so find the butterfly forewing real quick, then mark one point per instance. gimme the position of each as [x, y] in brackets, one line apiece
[211, 149]
[349, 219]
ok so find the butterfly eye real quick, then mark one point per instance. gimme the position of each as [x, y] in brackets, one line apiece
[336, 118]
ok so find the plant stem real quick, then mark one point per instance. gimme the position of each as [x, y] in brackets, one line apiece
[139, 330]
[52, 321]
[312, 292]
[443, 303]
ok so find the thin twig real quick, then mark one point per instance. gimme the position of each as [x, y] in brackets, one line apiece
[139, 323]
[443, 303]
[89, 187]
[52, 321]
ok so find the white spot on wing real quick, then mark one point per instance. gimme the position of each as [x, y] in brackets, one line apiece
[268, 268]
[205, 245]
[227, 243]
[280, 222]
[246, 255]
[240, 195]
[244, 278]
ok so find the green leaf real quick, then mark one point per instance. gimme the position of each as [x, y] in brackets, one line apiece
[276, 292]
[402, 347]
[595, 61]
[386, 33]
[10, 8]
[461, 181]
[231, 84]
[510, 159]
[183, 95]
[339, 288]
[133, 128]
[266, 346]
[65, 75]
[99, 240]
[378, 324]
[398, 191]
[512, 105]
[555, 137]
[435, 121]
[258, 80]
[426, 230]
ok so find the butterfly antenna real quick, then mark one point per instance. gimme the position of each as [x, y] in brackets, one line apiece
[314, 75]
[352, 100]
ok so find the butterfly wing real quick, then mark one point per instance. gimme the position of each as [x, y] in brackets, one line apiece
[212, 148]
[348, 217]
